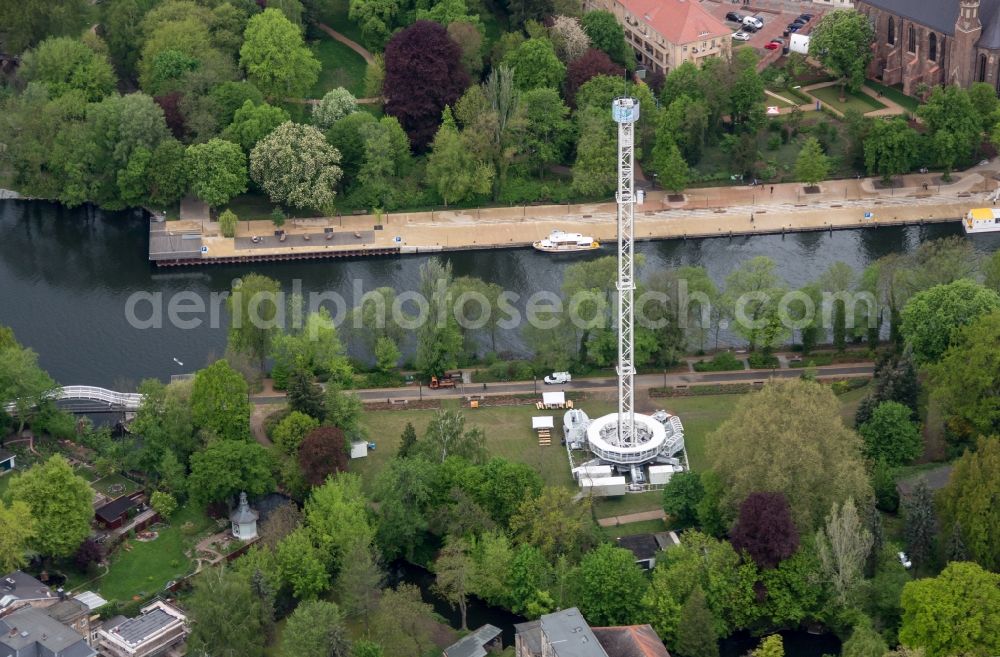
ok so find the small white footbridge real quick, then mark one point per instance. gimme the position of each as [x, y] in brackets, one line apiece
[97, 397]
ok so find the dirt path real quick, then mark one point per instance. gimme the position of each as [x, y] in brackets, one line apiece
[257, 418]
[353, 45]
[642, 516]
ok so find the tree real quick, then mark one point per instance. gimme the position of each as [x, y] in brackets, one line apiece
[504, 486]
[335, 105]
[681, 497]
[968, 502]
[522, 11]
[842, 42]
[789, 438]
[66, 64]
[469, 38]
[408, 441]
[553, 523]
[402, 622]
[278, 524]
[966, 378]
[60, 503]
[275, 58]
[745, 95]
[227, 223]
[337, 517]
[17, 531]
[439, 338]
[812, 165]
[302, 565]
[288, 433]
[611, 586]
[218, 171]
[453, 170]
[770, 646]
[423, 75]
[315, 629]
[752, 294]
[446, 436]
[343, 410]
[220, 403]
[764, 528]
[696, 634]
[322, 453]
[304, 395]
[163, 503]
[668, 163]
[228, 616]
[606, 34]
[296, 166]
[22, 381]
[228, 467]
[954, 124]
[569, 38]
[957, 612]
[251, 123]
[890, 435]
[89, 553]
[360, 580]
[931, 317]
[253, 311]
[919, 526]
[896, 381]
[594, 168]
[864, 642]
[452, 570]
[890, 148]
[844, 544]
[535, 64]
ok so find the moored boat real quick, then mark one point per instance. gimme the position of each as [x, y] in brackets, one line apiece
[982, 220]
[561, 242]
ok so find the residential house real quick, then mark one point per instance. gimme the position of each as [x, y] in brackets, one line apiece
[7, 460]
[667, 33]
[30, 632]
[19, 589]
[160, 628]
[645, 546]
[486, 639]
[567, 634]
[74, 614]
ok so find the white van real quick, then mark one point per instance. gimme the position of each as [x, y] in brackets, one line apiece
[558, 377]
[754, 21]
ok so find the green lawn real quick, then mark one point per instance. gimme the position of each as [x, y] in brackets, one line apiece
[335, 14]
[147, 567]
[114, 486]
[895, 94]
[342, 67]
[779, 102]
[4, 484]
[633, 528]
[258, 206]
[859, 101]
[607, 507]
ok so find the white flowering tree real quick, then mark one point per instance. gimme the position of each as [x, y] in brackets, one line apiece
[297, 167]
[336, 104]
[569, 38]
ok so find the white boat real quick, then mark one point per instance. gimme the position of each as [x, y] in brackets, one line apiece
[982, 220]
[560, 242]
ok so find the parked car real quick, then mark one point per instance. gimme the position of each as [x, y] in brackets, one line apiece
[749, 29]
[558, 377]
[805, 17]
[772, 45]
[733, 16]
[753, 20]
[741, 36]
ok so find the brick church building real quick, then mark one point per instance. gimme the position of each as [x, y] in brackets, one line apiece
[934, 42]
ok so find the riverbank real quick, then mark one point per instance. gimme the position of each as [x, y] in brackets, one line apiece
[699, 213]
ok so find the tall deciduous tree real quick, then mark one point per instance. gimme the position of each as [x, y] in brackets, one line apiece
[315, 629]
[59, 501]
[402, 622]
[812, 165]
[452, 168]
[968, 503]
[955, 613]
[681, 497]
[890, 148]
[842, 42]
[323, 452]
[966, 379]
[610, 586]
[553, 523]
[335, 105]
[219, 402]
[254, 304]
[696, 634]
[296, 166]
[535, 64]
[789, 438]
[954, 124]
[275, 58]
[670, 166]
[446, 436]
[931, 317]
[302, 565]
[764, 528]
[66, 64]
[227, 615]
[360, 580]
[423, 75]
[22, 382]
[17, 530]
[594, 168]
[844, 544]
[607, 34]
[228, 467]
[453, 571]
[251, 123]
[218, 170]
[890, 435]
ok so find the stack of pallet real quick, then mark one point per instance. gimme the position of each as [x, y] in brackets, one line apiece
[544, 437]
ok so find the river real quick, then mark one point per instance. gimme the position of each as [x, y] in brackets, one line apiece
[67, 274]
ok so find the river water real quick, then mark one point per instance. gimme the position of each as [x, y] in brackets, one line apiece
[66, 276]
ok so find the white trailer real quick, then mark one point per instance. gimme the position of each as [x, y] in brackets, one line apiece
[799, 43]
[661, 474]
[604, 486]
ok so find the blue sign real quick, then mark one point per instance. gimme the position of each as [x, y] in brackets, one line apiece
[869, 215]
[397, 239]
[204, 249]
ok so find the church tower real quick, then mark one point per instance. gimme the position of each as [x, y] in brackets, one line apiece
[966, 63]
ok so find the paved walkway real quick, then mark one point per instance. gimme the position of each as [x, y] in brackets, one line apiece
[350, 43]
[892, 108]
[643, 516]
[194, 209]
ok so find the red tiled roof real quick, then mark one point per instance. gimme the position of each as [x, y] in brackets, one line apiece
[630, 641]
[679, 21]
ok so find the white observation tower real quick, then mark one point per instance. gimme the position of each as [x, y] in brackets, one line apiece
[626, 438]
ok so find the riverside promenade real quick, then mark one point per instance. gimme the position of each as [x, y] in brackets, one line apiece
[704, 212]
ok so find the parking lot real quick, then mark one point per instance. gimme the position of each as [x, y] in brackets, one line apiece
[775, 21]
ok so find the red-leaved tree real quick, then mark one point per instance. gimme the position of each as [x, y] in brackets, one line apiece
[592, 63]
[170, 103]
[322, 452]
[423, 74]
[765, 529]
